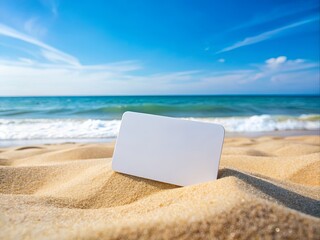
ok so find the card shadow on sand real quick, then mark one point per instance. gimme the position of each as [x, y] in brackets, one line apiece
[283, 196]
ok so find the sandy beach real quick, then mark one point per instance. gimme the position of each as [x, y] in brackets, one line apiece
[268, 187]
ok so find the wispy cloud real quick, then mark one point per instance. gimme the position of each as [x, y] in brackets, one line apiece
[266, 35]
[280, 67]
[287, 11]
[276, 75]
[52, 5]
[106, 79]
[48, 52]
[59, 73]
[121, 78]
[33, 27]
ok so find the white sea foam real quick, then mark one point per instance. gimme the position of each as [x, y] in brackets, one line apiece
[18, 129]
[264, 123]
[57, 128]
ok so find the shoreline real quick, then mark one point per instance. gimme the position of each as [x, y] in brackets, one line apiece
[26, 142]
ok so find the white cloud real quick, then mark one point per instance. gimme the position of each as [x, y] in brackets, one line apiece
[108, 79]
[52, 5]
[47, 51]
[59, 73]
[56, 72]
[266, 35]
[33, 27]
[122, 78]
[275, 62]
[221, 60]
[58, 56]
[281, 63]
[281, 12]
[298, 73]
[26, 77]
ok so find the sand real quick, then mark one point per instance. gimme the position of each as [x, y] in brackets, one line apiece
[268, 187]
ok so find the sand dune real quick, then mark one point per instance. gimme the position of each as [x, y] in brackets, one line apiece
[268, 187]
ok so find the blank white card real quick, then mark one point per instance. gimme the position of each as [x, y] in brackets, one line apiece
[166, 149]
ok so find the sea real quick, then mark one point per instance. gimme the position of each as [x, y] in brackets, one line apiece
[98, 118]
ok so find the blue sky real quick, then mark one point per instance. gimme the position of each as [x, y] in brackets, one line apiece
[96, 47]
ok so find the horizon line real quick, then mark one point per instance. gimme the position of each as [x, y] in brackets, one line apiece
[171, 95]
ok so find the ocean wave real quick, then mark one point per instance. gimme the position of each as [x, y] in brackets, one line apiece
[11, 129]
[118, 110]
[265, 123]
[115, 111]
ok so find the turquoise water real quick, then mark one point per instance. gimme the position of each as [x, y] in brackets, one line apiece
[182, 106]
[99, 117]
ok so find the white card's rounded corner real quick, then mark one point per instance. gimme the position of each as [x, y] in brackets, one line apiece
[114, 168]
[223, 131]
[112, 165]
[124, 115]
